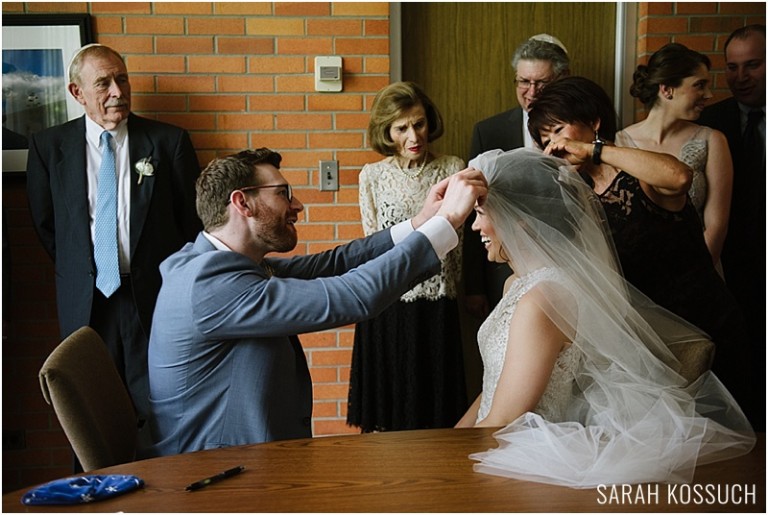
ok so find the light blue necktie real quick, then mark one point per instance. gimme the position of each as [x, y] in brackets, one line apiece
[105, 246]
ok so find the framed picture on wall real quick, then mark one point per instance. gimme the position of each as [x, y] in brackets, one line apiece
[37, 49]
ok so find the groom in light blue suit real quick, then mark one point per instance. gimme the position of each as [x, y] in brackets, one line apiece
[225, 365]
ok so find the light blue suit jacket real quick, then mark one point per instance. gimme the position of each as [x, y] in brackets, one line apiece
[225, 366]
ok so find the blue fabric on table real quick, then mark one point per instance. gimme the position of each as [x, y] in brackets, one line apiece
[81, 489]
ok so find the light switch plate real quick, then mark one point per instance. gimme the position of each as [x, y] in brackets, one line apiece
[329, 175]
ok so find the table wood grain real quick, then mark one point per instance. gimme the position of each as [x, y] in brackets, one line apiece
[407, 471]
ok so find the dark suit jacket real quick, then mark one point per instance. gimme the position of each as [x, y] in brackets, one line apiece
[743, 254]
[481, 277]
[162, 219]
[725, 117]
[503, 130]
[225, 366]
[748, 195]
[744, 250]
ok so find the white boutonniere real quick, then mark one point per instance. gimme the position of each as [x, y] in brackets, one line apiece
[144, 168]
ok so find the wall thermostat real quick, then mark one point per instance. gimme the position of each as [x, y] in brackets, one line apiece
[328, 73]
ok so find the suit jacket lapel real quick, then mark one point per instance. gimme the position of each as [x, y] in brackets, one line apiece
[516, 132]
[140, 147]
[732, 129]
[71, 175]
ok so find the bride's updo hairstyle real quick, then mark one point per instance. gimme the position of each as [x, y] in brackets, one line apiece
[669, 66]
[528, 180]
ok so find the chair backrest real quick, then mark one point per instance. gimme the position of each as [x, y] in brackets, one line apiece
[695, 357]
[80, 380]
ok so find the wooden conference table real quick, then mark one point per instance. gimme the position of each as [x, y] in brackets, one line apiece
[408, 471]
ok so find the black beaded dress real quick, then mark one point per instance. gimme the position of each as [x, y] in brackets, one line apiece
[664, 255]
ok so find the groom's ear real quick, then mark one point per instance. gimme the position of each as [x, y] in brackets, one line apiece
[596, 125]
[239, 203]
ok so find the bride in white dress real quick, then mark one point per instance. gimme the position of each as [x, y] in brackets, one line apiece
[577, 364]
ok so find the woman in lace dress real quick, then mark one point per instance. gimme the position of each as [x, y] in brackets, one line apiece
[407, 363]
[655, 228]
[585, 385]
[674, 88]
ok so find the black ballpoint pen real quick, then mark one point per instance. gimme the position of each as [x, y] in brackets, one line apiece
[197, 485]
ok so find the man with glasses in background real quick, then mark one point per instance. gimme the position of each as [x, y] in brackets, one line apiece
[225, 365]
[537, 62]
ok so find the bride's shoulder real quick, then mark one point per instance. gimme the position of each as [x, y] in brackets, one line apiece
[521, 283]
[547, 286]
[550, 302]
[549, 273]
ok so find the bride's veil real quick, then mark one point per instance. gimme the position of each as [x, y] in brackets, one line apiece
[631, 417]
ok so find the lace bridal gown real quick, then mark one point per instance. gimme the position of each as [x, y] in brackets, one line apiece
[492, 339]
[615, 409]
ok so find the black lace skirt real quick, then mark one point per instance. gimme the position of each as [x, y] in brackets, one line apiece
[408, 368]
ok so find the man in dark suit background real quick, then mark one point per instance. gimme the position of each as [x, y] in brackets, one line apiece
[742, 119]
[537, 62]
[107, 267]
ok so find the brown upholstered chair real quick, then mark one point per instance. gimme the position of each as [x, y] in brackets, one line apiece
[695, 357]
[81, 382]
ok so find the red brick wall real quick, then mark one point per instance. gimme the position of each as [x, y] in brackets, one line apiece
[701, 26]
[235, 75]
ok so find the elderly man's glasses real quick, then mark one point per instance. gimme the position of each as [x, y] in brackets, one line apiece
[286, 191]
[524, 84]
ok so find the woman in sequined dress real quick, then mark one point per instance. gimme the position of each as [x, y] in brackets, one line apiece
[674, 88]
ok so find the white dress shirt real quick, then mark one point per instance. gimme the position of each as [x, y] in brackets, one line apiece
[527, 138]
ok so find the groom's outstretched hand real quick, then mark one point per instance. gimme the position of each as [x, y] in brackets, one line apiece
[453, 198]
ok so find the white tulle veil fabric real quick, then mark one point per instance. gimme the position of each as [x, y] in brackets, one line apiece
[631, 417]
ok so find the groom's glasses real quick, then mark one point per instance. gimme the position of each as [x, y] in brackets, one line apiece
[286, 191]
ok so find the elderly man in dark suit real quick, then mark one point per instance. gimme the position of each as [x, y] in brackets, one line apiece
[537, 62]
[225, 365]
[742, 119]
[111, 195]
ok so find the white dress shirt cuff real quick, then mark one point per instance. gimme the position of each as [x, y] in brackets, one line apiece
[437, 229]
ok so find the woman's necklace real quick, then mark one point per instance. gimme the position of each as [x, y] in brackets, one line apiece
[407, 171]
